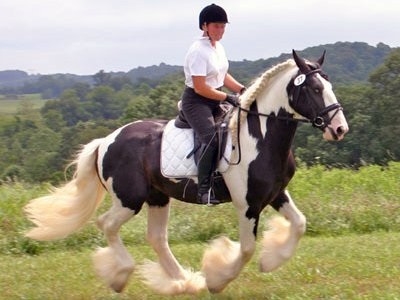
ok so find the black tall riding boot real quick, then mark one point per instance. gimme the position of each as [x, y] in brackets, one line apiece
[206, 166]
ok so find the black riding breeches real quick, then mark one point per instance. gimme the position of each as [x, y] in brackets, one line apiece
[200, 112]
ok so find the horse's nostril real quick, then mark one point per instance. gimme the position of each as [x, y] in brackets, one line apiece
[340, 130]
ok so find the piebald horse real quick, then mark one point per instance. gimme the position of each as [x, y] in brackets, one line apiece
[126, 164]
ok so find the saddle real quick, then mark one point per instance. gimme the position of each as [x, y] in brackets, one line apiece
[180, 146]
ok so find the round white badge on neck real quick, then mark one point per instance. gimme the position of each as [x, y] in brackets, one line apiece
[299, 79]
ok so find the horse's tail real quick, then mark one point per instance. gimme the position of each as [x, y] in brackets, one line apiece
[67, 209]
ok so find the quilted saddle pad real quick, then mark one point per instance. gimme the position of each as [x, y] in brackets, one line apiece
[176, 145]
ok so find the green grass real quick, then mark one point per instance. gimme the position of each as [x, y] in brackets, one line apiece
[12, 106]
[341, 201]
[335, 202]
[351, 249]
[346, 267]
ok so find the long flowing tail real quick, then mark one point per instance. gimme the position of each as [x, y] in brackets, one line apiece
[67, 209]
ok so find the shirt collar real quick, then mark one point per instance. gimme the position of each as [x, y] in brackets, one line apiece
[205, 39]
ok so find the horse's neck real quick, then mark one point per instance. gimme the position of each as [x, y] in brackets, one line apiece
[271, 129]
[260, 133]
[273, 99]
[274, 96]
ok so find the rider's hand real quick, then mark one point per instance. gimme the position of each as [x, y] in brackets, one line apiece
[233, 100]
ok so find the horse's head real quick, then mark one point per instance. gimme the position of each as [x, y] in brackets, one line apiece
[311, 96]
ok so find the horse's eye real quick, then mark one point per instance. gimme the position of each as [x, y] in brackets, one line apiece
[317, 91]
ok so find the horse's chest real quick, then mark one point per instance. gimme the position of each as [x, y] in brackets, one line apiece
[267, 171]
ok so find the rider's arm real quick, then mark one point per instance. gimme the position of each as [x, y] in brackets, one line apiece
[232, 84]
[202, 88]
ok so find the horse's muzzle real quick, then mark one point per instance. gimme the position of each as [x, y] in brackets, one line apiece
[337, 128]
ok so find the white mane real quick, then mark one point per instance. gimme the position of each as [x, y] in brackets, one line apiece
[255, 89]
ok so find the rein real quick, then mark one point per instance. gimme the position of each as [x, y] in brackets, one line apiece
[318, 121]
[272, 116]
[282, 118]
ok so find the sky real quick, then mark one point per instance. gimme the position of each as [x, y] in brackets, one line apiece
[86, 36]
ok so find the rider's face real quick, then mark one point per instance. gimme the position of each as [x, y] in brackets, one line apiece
[215, 30]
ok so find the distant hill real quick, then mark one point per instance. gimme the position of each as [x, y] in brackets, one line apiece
[15, 78]
[153, 73]
[346, 63]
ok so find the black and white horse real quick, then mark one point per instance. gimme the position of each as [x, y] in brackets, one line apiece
[126, 164]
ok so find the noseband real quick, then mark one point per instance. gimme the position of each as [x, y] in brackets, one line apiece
[319, 120]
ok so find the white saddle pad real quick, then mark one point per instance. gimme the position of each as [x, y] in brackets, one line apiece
[176, 144]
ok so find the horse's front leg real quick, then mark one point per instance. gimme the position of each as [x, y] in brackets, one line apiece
[224, 259]
[280, 241]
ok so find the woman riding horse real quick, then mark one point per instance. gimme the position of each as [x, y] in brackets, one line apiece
[206, 72]
[126, 164]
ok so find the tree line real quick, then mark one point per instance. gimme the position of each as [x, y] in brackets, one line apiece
[36, 145]
[347, 62]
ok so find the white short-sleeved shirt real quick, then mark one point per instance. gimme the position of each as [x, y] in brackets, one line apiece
[203, 59]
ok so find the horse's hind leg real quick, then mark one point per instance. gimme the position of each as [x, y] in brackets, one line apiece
[113, 263]
[167, 277]
[280, 241]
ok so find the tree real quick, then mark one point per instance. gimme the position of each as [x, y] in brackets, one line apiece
[101, 78]
[102, 104]
[41, 155]
[385, 82]
[69, 106]
[138, 109]
[82, 133]
[54, 119]
[160, 103]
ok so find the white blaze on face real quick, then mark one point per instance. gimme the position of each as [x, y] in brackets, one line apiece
[338, 126]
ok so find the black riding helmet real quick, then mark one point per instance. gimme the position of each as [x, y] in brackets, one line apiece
[212, 13]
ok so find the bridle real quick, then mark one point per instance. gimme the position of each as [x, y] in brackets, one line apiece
[321, 121]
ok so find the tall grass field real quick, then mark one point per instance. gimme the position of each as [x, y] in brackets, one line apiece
[351, 249]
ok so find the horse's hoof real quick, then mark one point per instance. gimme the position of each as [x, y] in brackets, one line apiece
[121, 279]
[118, 288]
[214, 290]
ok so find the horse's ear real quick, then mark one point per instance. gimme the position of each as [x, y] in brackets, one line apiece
[300, 62]
[320, 61]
